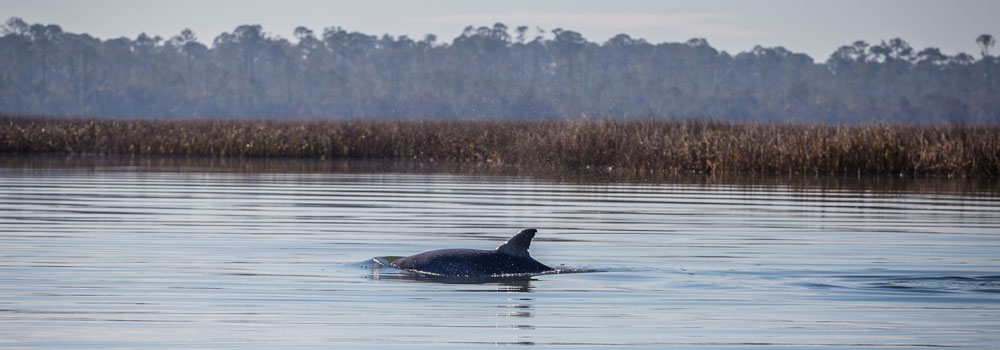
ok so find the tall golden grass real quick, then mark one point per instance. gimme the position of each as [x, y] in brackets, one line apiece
[635, 147]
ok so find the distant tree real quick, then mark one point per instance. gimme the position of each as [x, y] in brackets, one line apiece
[985, 42]
[962, 59]
[698, 42]
[483, 73]
[186, 36]
[539, 34]
[931, 56]
[430, 39]
[46, 40]
[499, 32]
[302, 32]
[15, 26]
[881, 52]
[900, 50]
[521, 34]
[848, 56]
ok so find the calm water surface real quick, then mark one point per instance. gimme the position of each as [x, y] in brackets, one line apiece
[99, 259]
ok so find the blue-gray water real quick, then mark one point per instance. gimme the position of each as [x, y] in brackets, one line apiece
[99, 259]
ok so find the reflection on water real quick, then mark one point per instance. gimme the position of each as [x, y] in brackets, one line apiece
[809, 183]
[180, 256]
[512, 284]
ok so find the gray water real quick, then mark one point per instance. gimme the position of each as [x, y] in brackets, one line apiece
[115, 258]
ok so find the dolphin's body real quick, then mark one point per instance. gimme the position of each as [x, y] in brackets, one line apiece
[510, 258]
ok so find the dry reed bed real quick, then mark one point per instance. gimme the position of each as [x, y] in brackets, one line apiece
[630, 146]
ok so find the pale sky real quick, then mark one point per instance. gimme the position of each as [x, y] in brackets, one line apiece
[816, 28]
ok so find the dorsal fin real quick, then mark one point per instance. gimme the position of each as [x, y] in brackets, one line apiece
[518, 245]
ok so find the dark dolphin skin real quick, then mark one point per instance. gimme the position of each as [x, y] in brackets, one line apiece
[510, 258]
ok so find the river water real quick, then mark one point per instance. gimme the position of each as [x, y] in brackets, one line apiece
[105, 257]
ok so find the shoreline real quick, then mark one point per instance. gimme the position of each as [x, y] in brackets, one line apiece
[871, 183]
[635, 148]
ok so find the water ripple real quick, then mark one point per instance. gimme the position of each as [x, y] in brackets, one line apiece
[101, 259]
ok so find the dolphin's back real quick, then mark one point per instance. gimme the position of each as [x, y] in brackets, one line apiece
[470, 262]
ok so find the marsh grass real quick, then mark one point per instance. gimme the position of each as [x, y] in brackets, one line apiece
[635, 147]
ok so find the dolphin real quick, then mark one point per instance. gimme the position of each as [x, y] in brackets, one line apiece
[511, 258]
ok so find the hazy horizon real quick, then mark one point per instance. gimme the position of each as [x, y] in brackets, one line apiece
[814, 28]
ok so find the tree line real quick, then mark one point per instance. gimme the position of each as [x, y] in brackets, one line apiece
[485, 72]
